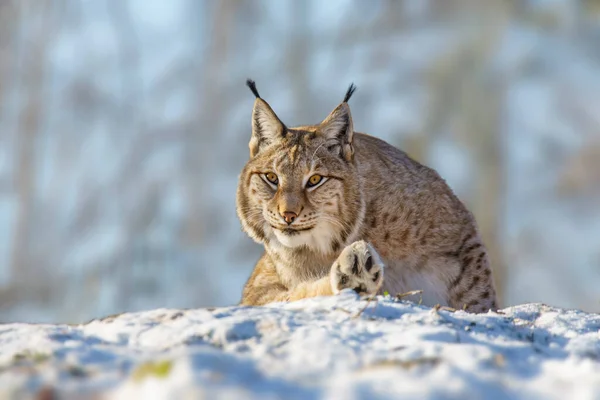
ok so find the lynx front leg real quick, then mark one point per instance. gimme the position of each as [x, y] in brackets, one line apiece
[264, 286]
[358, 267]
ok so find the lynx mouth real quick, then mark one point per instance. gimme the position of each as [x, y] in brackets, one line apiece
[292, 231]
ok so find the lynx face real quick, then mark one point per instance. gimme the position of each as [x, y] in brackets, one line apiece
[300, 187]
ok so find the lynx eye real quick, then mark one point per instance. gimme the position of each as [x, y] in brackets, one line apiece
[271, 177]
[314, 180]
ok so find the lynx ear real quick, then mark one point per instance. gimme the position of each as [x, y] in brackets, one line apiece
[338, 126]
[266, 126]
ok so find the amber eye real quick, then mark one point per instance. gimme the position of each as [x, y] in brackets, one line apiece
[271, 177]
[314, 180]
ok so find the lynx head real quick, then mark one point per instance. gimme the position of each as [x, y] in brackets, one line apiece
[300, 188]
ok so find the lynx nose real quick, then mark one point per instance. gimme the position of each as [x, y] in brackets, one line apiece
[289, 216]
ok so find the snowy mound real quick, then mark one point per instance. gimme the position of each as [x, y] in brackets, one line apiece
[315, 348]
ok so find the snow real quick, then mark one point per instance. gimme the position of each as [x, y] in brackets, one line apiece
[314, 348]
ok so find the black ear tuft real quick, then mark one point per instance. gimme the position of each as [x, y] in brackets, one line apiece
[250, 83]
[349, 93]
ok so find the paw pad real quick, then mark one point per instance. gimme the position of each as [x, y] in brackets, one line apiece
[358, 267]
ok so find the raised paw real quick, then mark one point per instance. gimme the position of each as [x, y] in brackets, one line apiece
[358, 267]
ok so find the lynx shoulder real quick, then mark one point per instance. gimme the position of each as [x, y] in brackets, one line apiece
[336, 209]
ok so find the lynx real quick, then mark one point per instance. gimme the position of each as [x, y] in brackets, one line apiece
[338, 209]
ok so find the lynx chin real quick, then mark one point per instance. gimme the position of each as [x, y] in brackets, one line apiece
[338, 209]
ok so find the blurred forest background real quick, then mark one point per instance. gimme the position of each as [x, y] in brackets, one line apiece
[124, 125]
